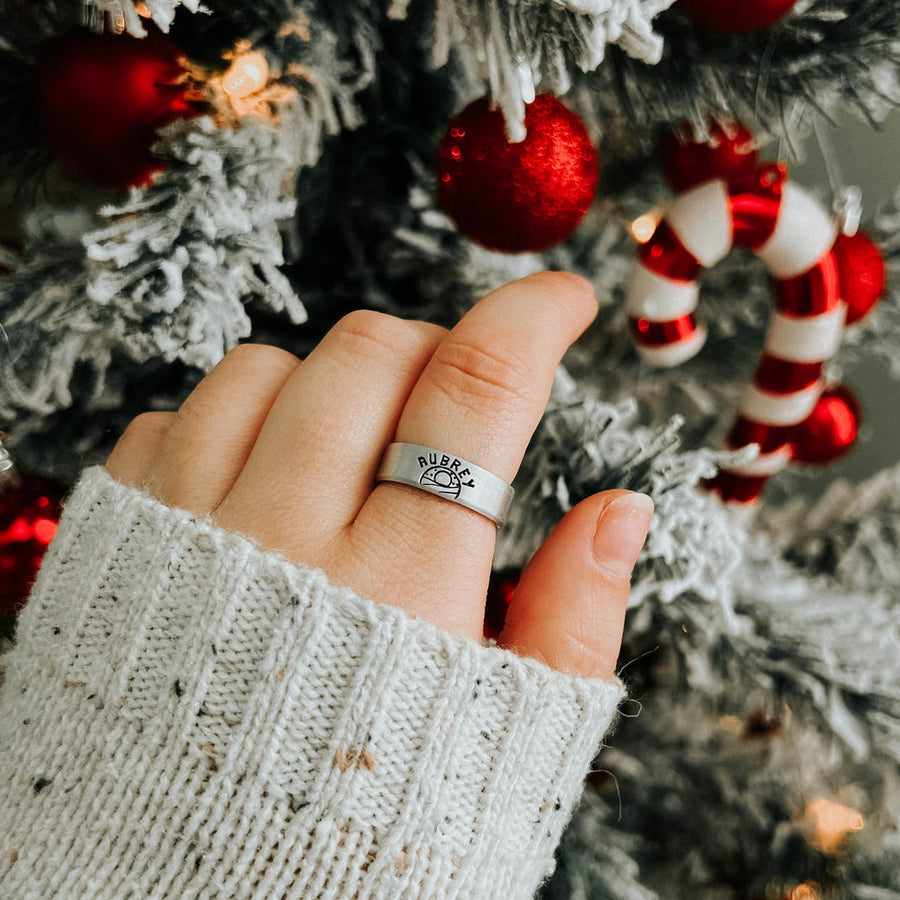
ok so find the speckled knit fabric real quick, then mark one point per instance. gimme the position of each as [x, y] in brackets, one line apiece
[186, 715]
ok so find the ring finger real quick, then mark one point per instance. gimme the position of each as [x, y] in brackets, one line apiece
[314, 461]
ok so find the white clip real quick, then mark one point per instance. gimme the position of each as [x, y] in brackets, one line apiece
[848, 209]
[94, 15]
[5, 462]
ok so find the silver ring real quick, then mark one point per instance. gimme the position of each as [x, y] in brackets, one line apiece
[447, 476]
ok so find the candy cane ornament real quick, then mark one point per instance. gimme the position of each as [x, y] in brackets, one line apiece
[794, 236]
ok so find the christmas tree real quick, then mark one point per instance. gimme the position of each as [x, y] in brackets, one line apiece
[177, 177]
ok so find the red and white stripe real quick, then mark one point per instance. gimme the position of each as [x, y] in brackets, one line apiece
[794, 235]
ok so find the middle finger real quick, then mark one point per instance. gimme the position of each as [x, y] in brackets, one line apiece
[480, 398]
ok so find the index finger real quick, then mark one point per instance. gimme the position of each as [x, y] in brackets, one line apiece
[480, 398]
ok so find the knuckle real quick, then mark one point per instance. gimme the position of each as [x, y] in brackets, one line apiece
[481, 377]
[196, 412]
[146, 425]
[376, 335]
[576, 649]
[149, 429]
[391, 546]
[259, 356]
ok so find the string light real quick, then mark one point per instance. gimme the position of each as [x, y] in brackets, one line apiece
[828, 824]
[244, 88]
[731, 724]
[642, 227]
[248, 74]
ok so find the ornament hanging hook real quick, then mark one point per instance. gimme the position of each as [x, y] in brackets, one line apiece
[847, 198]
[94, 15]
[6, 462]
[848, 209]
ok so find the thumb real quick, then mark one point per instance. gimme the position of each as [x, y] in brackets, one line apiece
[568, 609]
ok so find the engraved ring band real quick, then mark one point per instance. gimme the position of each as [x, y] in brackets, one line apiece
[446, 475]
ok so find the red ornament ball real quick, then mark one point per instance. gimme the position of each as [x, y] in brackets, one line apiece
[831, 429]
[517, 197]
[861, 273]
[30, 507]
[499, 596]
[101, 99]
[735, 17]
[731, 153]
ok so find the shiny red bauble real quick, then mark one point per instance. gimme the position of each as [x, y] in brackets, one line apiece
[831, 429]
[101, 100]
[517, 197]
[735, 16]
[861, 272]
[30, 508]
[730, 153]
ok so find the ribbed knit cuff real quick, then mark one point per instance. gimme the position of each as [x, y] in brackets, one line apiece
[186, 715]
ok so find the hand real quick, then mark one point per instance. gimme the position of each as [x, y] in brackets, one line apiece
[286, 452]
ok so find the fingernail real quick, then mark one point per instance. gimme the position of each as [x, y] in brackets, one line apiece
[621, 531]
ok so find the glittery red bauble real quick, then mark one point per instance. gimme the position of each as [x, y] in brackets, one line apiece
[101, 99]
[517, 197]
[861, 272]
[30, 507]
[499, 596]
[731, 153]
[736, 16]
[830, 430]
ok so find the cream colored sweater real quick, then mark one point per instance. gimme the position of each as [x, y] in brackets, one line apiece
[186, 715]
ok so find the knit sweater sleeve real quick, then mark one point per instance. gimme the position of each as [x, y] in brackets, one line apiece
[188, 715]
